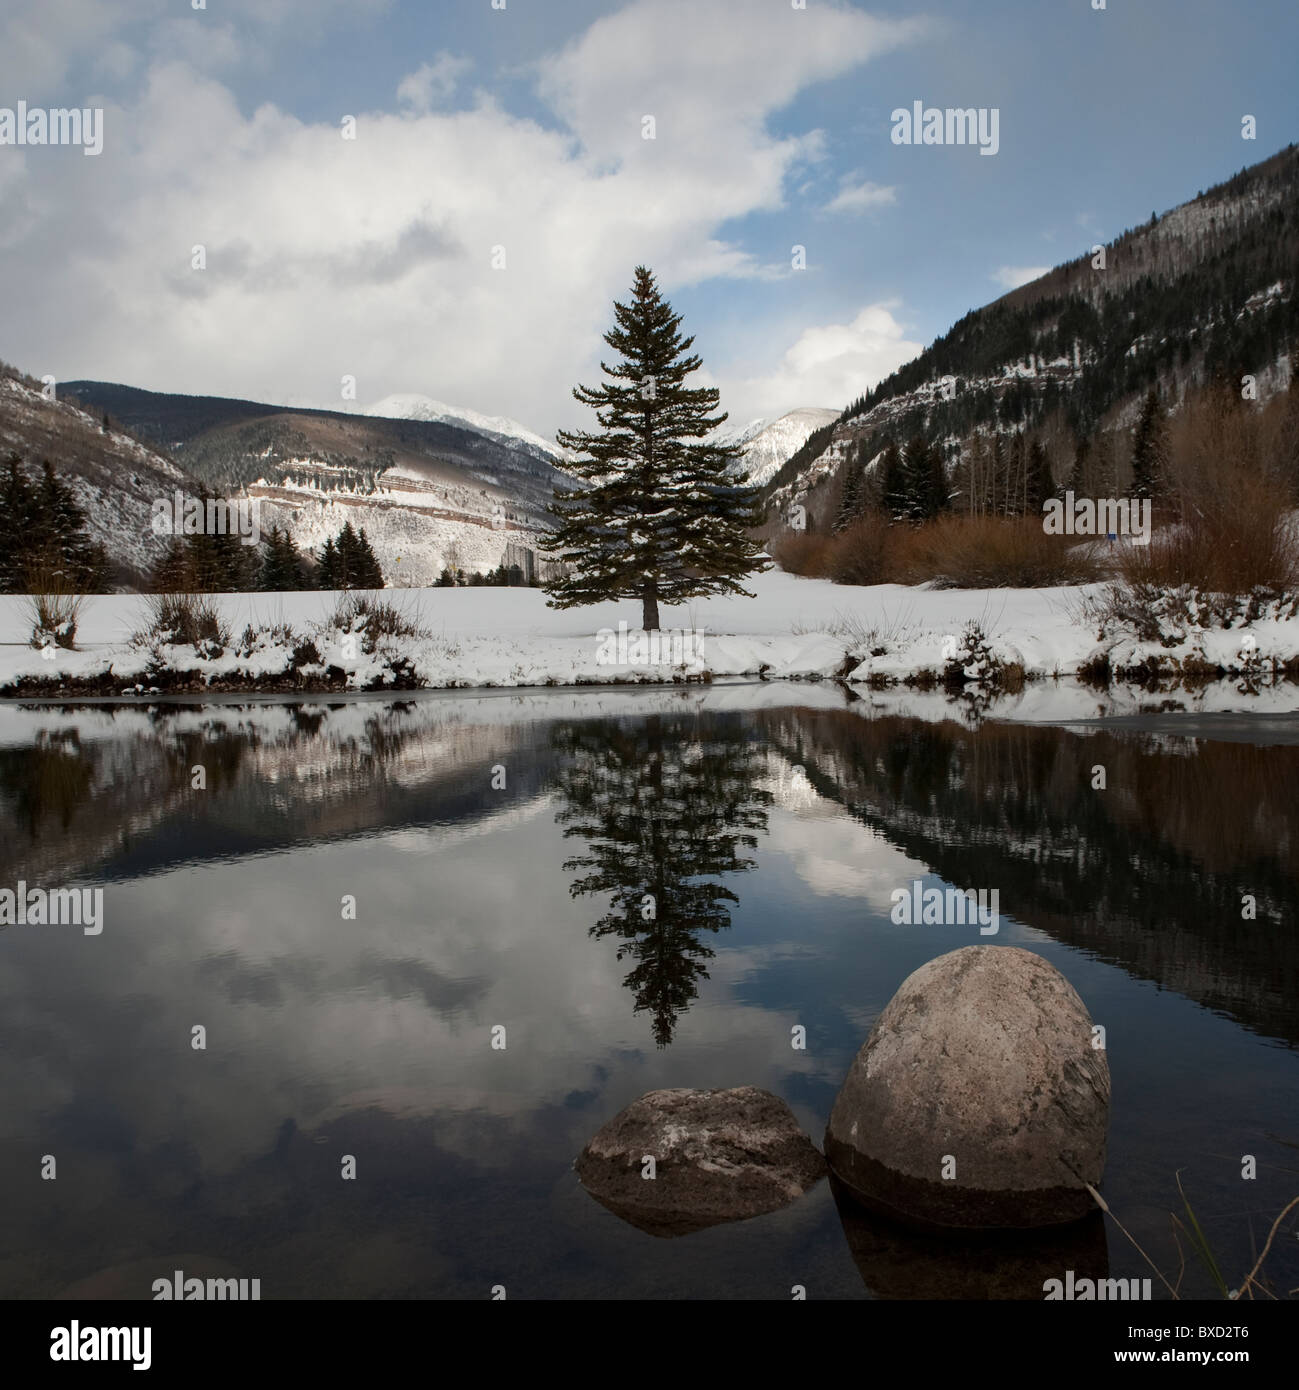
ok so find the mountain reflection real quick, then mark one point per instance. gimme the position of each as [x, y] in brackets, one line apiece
[667, 806]
[1149, 874]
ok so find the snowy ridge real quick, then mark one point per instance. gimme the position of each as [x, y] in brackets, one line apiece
[769, 443]
[412, 406]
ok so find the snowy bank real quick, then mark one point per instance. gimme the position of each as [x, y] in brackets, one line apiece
[794, 629]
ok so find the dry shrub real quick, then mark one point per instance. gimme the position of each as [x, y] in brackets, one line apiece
[186, 620]
[52, 607]
[986, 552]
[980, 552]
[804, 552]
[376, 619]
[863, 552]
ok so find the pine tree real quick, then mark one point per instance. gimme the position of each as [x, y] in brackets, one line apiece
[345, 551]
[17, 516]
[1038, 484]
[171, 571]
[1149, 449]
[328, 575]
[657, 514]
[851, 489]
[281, 570]
[893, 483]
[924, 480]
[58, 549]
[367, 572]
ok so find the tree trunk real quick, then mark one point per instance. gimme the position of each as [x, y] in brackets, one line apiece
[650, 609]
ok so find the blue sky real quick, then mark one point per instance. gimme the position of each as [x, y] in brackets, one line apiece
[522, 128]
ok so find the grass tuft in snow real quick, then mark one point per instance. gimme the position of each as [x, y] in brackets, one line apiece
[184, 620]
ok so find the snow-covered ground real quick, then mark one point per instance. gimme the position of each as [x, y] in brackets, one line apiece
[793, 629]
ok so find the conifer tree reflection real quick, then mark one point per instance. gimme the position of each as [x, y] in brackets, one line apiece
[666, 806]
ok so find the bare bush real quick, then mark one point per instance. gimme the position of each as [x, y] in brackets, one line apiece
[187, 620]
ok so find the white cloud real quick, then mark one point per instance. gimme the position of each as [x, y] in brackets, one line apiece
[828, 365]
[857, 195]
[1011, 277]
[373, 257]
[433, 84]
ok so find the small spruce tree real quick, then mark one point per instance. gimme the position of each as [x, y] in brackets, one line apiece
[658, 513]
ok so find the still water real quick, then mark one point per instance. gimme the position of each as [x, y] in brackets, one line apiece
[361, 896]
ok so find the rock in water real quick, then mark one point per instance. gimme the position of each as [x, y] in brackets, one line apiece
[978, 1100]
[718, 1156]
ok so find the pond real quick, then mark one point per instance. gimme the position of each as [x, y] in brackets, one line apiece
[370, 974]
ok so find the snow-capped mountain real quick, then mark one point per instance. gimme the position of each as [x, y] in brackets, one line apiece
[430, 493]
[770, 442]
[412, 406]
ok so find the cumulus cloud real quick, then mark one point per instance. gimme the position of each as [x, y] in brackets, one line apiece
[1011, 277]
[828, 365]
[857, 195]
[469, 254]
[432, 84]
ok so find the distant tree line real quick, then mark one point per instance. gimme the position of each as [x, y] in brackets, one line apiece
[219, 562]
[503, 576]
[998, 473]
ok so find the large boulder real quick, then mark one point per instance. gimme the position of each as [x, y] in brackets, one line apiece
[718, 1156]
[978, 1100]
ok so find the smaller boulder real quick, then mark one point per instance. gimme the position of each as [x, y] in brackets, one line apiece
[717, 1156]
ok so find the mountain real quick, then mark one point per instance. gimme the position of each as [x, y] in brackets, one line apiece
[113, 476]
[415, 407]
[430, 493]
[768, 443]
[1205, 291]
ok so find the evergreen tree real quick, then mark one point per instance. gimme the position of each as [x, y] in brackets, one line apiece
[1077, 479]
[17, 518]
[281, 570]
[328, 575]
[924, 480]
[657, 514]
[851, 490]
[367, 572]
[1038, 485]
[171, 571]
[345, 549]
[1149, 449]
[894, 492]
[58, 551]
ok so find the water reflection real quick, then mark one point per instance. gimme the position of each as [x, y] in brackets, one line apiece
[371, 1036]
[898, 1262]
[666, 807]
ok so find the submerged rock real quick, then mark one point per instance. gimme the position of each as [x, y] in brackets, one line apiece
[717, 1156]
[978, 1100]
